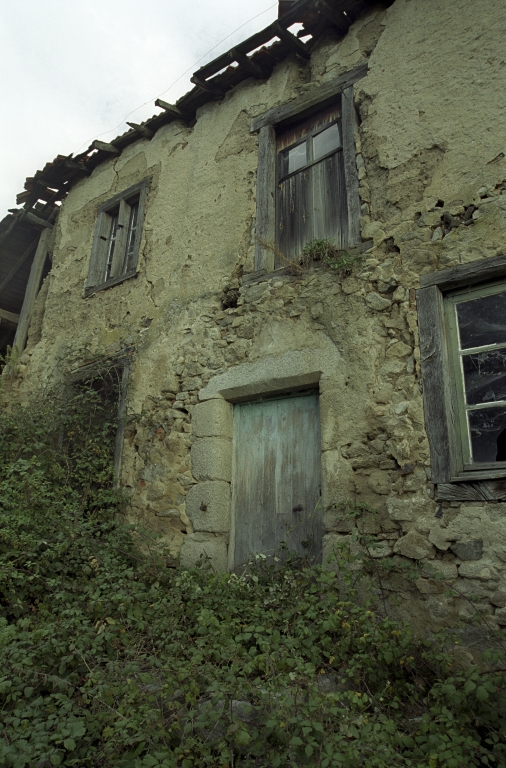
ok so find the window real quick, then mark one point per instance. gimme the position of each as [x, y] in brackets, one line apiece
[117, 239]
[307, 183]
[462, 319]
[311, 188]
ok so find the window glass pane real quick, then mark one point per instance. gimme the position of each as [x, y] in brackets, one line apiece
[294, 158]
[326, 141]
[131, 237]
[111, 246]
[482, 321]
[486, 426]
[485, 376]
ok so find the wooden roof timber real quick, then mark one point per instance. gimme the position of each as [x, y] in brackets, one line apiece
[212, 81]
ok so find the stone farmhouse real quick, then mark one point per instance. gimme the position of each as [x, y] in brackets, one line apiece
[299, 270]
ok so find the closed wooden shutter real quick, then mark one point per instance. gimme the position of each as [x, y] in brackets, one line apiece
[276, 477]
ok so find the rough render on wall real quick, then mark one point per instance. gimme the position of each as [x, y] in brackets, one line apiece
[431, 141]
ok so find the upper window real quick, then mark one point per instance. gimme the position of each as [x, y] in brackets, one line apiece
[311, 190]
[117, 239]
[462, 322]
[307, 181]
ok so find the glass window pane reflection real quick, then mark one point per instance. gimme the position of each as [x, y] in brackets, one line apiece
[486, 426]
[482, 321]
[326, 141]
[294, 158]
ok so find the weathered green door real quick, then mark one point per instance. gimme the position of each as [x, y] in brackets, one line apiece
[276, 478]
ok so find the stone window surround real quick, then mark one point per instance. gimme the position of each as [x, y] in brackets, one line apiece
[97, 264]
[452, 481]
[208, 503]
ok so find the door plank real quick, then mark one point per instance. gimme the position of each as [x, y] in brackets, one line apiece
[276, 482]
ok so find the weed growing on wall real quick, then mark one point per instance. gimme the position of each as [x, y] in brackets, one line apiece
[109, 658]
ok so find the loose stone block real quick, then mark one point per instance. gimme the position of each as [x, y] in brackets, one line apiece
[208, 506]
[414, 546]
[499, 598]
[380, 549]
[212, 418]
[500, 617]
[212, 459]
[468, 550]
[447, 570]
[377, 302]
[482, 571]
[197, 544]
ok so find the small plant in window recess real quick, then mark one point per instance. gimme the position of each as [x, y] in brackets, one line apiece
[324, 252]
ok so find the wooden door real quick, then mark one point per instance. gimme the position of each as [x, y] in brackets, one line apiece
[276, 477]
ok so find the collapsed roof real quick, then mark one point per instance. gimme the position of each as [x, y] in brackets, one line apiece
[255, 57]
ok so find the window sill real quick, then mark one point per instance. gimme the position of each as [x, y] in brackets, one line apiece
[262, 275]
[91, 289]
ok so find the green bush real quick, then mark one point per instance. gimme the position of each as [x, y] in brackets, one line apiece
[110, 658]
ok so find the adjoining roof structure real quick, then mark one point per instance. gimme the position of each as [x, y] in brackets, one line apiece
[251, 58]
[255, 57]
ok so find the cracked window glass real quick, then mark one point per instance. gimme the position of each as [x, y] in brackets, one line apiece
[485, 376]
[486, 426]
[482, 321]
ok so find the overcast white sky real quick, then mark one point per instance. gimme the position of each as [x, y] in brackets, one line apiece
[72, 70]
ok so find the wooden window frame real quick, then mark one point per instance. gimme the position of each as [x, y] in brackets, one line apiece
[455, 480]
[282, 116]
[121, 270]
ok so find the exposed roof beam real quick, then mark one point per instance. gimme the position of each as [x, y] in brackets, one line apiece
[37, 220]
[11, 317]
[251, 66]
[294, 42]
[207, 87]
[141, 130]
[171, 109]
[72, 165]
[334, 14]
[18, 264]
[104, 146]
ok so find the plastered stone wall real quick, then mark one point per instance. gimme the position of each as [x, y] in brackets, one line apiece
[431, 151]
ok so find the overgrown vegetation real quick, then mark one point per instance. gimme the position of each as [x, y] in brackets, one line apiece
[109, 658]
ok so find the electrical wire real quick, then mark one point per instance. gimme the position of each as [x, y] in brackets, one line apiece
[190, 69]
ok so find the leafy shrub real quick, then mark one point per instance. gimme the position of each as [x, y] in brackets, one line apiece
[110, 658]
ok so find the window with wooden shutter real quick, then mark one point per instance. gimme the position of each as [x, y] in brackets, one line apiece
[311, 190]
[307, 181]
[117, 239]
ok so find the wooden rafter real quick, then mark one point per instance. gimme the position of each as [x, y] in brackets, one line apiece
[18, 263]
[170, 109]
[11, 317]
[141, 130]
[207, 86]
[249, 64]
[105, 146]
[295, 44]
